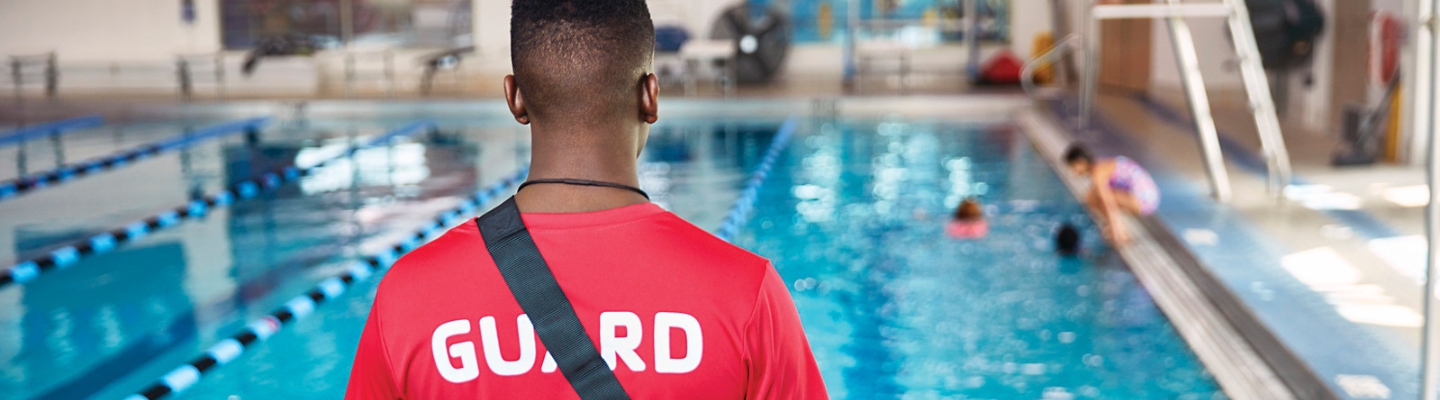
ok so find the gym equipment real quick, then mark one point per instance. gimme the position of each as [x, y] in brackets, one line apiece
[762, 37]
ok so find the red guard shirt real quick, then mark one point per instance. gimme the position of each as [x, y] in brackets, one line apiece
[676, 312]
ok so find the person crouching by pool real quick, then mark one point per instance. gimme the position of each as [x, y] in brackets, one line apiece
[969, 222]
[1118, 185]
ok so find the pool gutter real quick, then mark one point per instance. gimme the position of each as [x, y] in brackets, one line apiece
[1221, 336]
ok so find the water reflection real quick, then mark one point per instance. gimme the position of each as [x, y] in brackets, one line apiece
[109, 317]
[697, 168]
[86, 338]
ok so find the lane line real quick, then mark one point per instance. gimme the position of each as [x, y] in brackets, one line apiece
[224, 351]
[745, 205]
[52, 128]
[65, 256]
[15, 187]
[187, 375]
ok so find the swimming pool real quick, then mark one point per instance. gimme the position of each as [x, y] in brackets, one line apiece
[895, 309]
[852, 217]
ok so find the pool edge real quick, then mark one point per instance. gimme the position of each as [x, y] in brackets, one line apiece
[1214, 323]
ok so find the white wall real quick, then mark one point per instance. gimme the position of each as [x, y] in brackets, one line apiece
[492, 23]
[1211, 45]
[1028, 18]
[107, 30]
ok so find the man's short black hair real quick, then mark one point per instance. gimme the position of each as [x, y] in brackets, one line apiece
[578, 56]
[1077, 153]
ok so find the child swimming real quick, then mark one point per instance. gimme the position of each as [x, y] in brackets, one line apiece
[1067, 240]
[1119, 185]
[969, 222]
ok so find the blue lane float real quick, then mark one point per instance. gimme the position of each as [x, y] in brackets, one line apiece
[53, 128]
[16, 187]
[741, 210]
[185, 376]
[26, 271]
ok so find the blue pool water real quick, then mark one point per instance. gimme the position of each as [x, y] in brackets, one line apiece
[895, 309]
[852, 217]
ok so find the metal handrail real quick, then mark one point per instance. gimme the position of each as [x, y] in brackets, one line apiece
[1252, 73]
[944, 25]
[387, 56]
[184, 72]
[51, 73]
[1423, 79]
[1027, 74]
[970, 24]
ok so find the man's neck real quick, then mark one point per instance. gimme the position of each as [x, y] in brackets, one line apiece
[569, 155]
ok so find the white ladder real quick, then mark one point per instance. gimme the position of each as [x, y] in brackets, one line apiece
[1257, 86]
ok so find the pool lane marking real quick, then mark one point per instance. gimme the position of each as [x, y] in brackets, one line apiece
[52, 128]
[15, 187]
[187, 375]
[26, 271]
[740, 211]
[224, 351]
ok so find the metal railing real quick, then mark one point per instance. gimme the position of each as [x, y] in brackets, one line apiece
[1423, 79]
[969, 26]
[353, 72]
[186, 66]
[23, 72]
[1252, 72]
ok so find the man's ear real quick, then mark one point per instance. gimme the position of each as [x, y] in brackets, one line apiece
[649, 98]
[516, 101]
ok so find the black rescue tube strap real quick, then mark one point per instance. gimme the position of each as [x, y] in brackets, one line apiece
[540, 296]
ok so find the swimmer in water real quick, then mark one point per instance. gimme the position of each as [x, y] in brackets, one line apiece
[969, 222]
[1119, 185]
[1067, 240]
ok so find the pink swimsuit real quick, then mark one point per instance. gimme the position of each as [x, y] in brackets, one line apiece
[967, 229]
[1131, 178]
